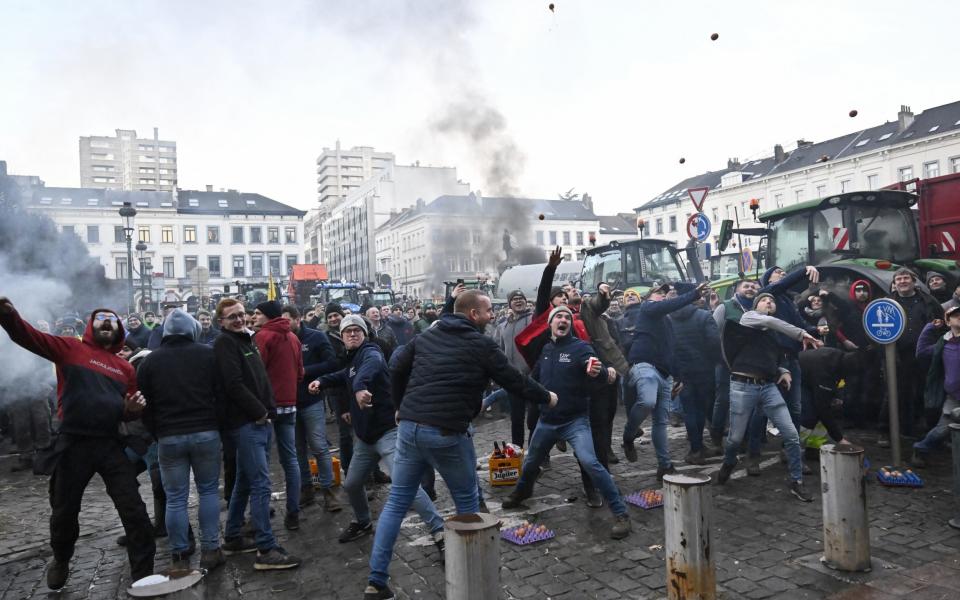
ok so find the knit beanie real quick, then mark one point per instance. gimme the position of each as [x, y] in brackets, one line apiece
[556, 291]
[756, 300]
[515, 294]
[932, 274]
[333, 307]
[270, 309]
[557, 310]
[354, 321]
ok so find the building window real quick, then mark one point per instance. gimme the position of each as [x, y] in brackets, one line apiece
[67, 229]
[931, 169]
[955, 164]
[190, 234]
[845, 186]
[189, 264]
[213, 263]
[291, 260]
[256, 235]
[168, 267]
[274, 264]
[236, 236]
[673, 223]
[873, 181]
[93, 234]
[821, 190]
[539, 238]
[166, 234]
[290, 235]
[566, 238]
[121, 266]
[273, 235]
[904, 174]
[798, 196]
[239, 266]
[659, 228]
[579, 238]
[213, 234]
[143, 234]
[553, 238]
[256, 265]
[118, 235]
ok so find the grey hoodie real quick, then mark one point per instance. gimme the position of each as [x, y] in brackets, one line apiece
[179, 322]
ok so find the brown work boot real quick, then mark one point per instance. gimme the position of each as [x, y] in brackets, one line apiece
[330, 502]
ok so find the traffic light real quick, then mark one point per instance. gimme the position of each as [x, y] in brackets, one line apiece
[726, 234]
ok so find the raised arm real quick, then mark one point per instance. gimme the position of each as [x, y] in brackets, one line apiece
[546, 281]
[50, 347]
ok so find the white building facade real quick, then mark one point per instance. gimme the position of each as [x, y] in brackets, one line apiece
[924, 145]
[198, 243]
[126, 162]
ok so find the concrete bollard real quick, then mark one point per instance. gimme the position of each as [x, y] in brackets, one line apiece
[955, 441]
[687, 510]
[472, 557]
[846, 528]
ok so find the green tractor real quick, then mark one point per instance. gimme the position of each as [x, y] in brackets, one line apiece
[636, 264]
[851, 236]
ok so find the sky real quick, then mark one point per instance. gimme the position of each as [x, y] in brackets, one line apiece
[601, 96]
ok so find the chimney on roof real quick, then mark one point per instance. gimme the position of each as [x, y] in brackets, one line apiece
[802, 143]
[156, 133]
[209, 188]
[778, 154]
[420, 203]
[587, 202]
[733, 163]
[905, 118]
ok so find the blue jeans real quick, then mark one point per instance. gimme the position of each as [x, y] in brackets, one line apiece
[695, 396]
[653, 396]
[253, 484]
[178, 455]
[285, 428]
[794, 400]
[420, 447]
[577, 434]
[744, 398]
[365, 459]
[312, 421]
[721, 403]
[941, 431]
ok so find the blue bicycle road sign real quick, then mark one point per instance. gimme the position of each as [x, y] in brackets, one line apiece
[884, 320]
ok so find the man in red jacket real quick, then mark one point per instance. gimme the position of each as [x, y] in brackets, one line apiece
[280, 350]
[96, 390]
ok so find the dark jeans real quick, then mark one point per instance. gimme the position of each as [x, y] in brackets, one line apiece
[603, 407]
[721, 403]
[518, 412]
[253, 484]
[84, 457]
[30, 420]
[346, 441]
[695, 396]
[229, 465]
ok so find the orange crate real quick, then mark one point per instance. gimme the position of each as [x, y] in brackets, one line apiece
[315, 471]
[505, 471]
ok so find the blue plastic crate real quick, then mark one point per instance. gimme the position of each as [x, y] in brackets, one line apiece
[895, 478]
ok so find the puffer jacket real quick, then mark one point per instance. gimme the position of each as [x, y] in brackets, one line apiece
[281, 354]
[696, 343]
[438, 378]
[507, 332]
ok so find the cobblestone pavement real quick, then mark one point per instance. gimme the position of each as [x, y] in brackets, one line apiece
[768, 544]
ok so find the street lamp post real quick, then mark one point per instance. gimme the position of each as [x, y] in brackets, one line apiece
[127, 213]
[144, 269]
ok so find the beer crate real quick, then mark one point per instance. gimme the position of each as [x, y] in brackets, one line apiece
[505, 471]
[315, 471]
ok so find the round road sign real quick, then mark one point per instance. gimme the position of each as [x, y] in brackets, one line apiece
[698, 227]
[884, 320]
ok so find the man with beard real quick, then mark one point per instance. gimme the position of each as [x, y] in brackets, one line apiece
[137, 332]
[96, 390]
[427, 318]
[518, 319]
[437, 384]
[208, 333]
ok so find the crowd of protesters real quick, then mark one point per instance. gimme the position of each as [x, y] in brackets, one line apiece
[211, 393]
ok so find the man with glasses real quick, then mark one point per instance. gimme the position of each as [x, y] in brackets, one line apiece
[249, 409]
[96, 391]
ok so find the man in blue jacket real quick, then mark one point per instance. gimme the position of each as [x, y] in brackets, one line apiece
[566, 367]
[649, 348]
[371, 413]
[311, 427]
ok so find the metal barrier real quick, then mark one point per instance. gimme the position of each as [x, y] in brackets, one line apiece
[846, 528]
[687, 511]
[472, 557]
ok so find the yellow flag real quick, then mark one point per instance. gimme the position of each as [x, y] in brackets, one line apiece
[271, 291]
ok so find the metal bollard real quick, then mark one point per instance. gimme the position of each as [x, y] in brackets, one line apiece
[472, 557]
[955, 441]
[846, 528]
[687, 510]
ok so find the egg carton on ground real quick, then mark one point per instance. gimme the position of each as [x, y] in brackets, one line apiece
[530, 534]
[895, 478]
[646, 499]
